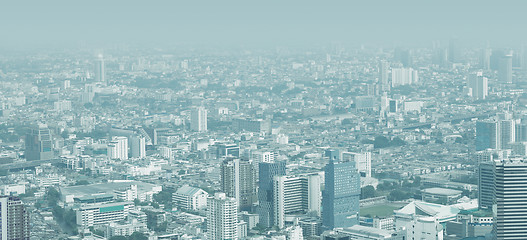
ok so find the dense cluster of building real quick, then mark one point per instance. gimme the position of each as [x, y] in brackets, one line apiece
[334, 143]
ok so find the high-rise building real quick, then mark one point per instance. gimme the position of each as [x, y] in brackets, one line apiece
[295, 194]
[511, 199]
[486, 185]
[118, 148]
[453, 50]
[383, 76]
[267, 172]
[138, 146]
[487, 135]
[38, 143]
[485, 58]
[237, 181]
[507, 131]
[99, 69]
[14, 219]
[478, 85]
[340, 198]
[505, 68]
[404, 76]
[222, 217]
[198, 119]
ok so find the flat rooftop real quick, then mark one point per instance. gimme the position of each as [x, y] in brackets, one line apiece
[109, 187]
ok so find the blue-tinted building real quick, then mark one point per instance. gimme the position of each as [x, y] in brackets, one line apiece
[267, 171]
[487, 135]
[340, 198]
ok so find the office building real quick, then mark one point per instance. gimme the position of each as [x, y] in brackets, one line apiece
[105, 213]
[295, 194]
[238, 181]
[267, 172]
[486, 185]
[511, 199]
[505, 68]
[38, 142]
[485, 58]
[138, 146]
[222, 217]
[478, 86]
[99, 70]
[198, 119]
[340, 198]
[507, 133]
[14, 219]
[487, 135]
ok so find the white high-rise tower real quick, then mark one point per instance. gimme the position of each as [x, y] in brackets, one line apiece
[198, 119]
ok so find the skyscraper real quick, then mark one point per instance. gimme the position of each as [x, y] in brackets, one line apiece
[267, 172]
[487, 135]
[237, 181]
[383, 76]
[505, 68]
[14, 219]
[486, 185]
[507, 131]
[99, 69]
[222, 218]
[138, 146]
[479, 85]
[453, 50]
[340, 198]
[485, 58]
[198, 119]
[38, 143]
[511, 200]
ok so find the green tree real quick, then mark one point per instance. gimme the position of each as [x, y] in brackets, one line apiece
[367, 192]
[118, 238]
[138, 236]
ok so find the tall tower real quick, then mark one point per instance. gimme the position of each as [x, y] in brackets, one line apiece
[138, 146]
[487, 135]
[38, 143]
[14, 219]
[222, 217]
[479, 85]
[511, 199]
[486, 185]
[505, 68]
[237, 181]
[267, 172]
[340, 198]
[383, 76]
[99, 70]
[198, 119]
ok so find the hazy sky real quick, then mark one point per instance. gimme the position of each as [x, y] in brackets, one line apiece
[96, 22]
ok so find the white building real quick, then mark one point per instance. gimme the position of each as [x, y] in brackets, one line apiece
[88, 216]
[198, 119]
[190, 198]
[478, 86]
[362, 161]
[118, 148]
[404, 76]
[222, 218]
[124, 229]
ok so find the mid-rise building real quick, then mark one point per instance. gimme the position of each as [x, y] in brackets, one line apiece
[478, 85]
[487, 135]
[362, 161]
[190, 198]
[238, 181]
[39, 143]
[118, 148]
[106, 213]
[138, 147]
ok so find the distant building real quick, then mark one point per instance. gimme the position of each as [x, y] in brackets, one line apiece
[487, 135]
[99, 70]
[14, 219]
[486, 185]
[505, 68]
[138, 146]
[198, 119]
[404, 76]
[222, 218]
[106, 213]
[252, 125]
[39, 145]
[118, 148]
[478, 86]
[190, 198]
[340, 198]
[362, 161]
